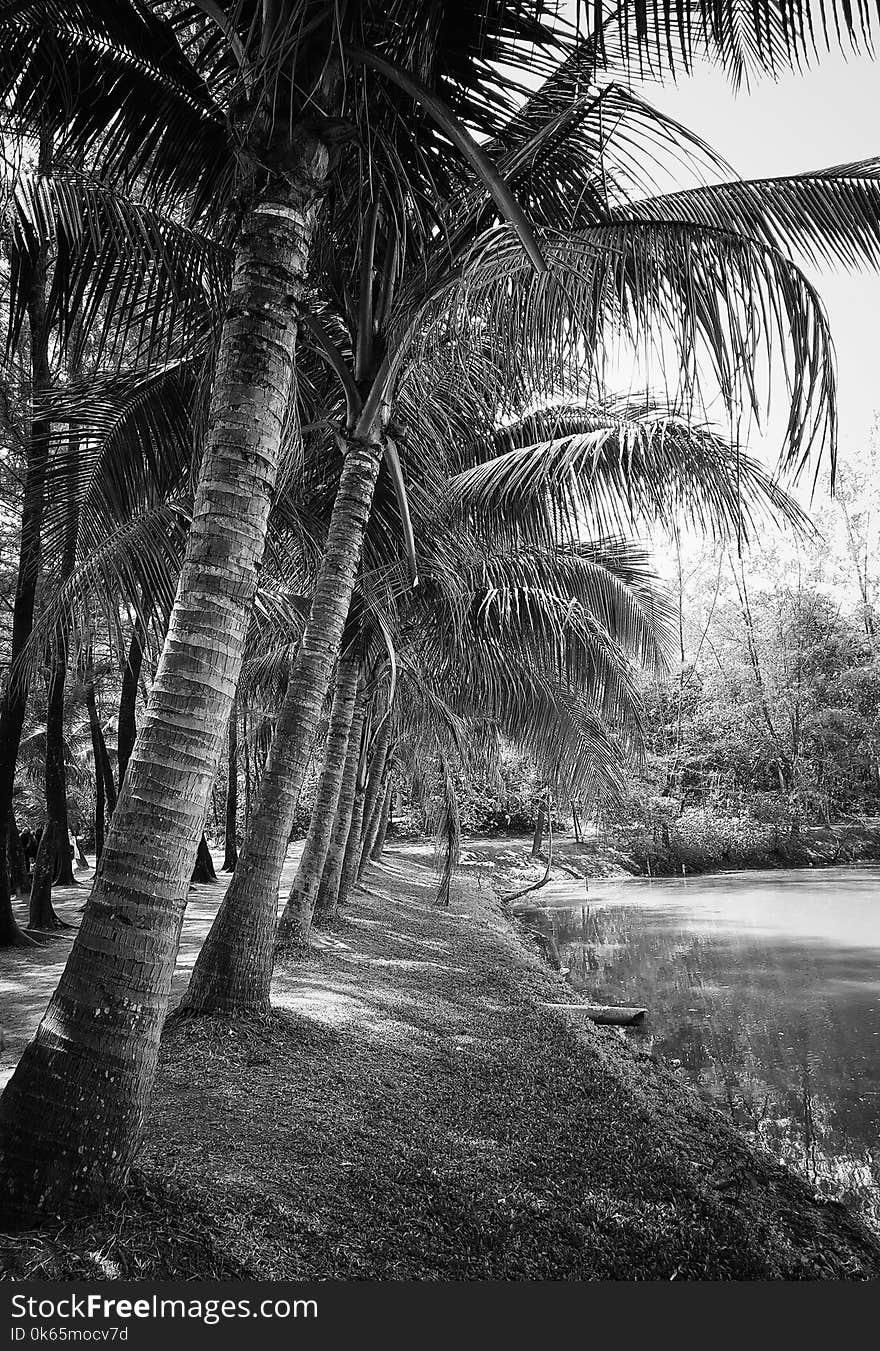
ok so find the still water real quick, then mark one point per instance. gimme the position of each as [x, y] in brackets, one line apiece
[765, 987]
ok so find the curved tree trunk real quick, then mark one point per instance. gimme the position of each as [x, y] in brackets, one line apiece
[53, 842]
[230, 844]
[233, 971]
[100, 814]
[352, 856]
[54, 862]
[99, 1038]
[126, 733]
[328, 887]
[373, 825]
[375, 794]
[42, 913]
[365, 794]
[538, 837]
[14, 702]
[379, 846]
[15, 860]
[105, 788]
[296, 921]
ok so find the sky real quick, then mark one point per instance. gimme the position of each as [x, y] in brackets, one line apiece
[828, 116]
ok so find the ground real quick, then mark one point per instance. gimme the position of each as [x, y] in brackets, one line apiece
[411, 1110]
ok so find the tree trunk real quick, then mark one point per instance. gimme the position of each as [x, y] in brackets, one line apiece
[328, 887]
[42, 914]
[103, 768]
[538, 837]
[100, 813]
[203, 870]
[575, 822]
[353, 845]
[248, 795]
[99, 1038]
[296, 921]
[14, 703]
[379, 847]
[364, 805]
[53, 844]
[126, 733]
[233, 971]
[15, 860]
[230, 844]
[379, 771]
[56, 791]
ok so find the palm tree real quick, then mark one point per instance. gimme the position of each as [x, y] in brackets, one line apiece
[216, 59]
[661, 262]
[278, 69]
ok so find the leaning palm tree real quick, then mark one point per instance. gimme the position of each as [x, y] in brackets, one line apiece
[250, 100]
[270, 81]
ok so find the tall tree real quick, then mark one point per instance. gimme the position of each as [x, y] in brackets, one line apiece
[113, 993]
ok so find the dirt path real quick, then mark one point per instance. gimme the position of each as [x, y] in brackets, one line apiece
[29, 975]
[412, 1110]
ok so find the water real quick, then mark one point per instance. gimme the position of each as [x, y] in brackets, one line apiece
[765, 987]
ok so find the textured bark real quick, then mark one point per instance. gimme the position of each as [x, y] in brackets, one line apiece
[204, 870]
[379, 846]
[296, 921]
[233, 971]
[126, 733]
[100, 815]
[538, 837]
[99, 1039]
[42, 915]
[230, 845]
[14, 702]
[374, 796]
[54, 862]
[15, 859]
[373, 822]
[352, 856]
[248, 793]
[53, 843]
[103, 765]
[105, 788]
[328, 887]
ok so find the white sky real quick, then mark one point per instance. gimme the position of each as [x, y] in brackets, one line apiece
[827, 116]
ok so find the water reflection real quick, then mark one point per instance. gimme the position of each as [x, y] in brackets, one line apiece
[765, 987]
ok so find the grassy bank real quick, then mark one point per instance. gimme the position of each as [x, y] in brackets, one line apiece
[412, 1112]
[695, 845]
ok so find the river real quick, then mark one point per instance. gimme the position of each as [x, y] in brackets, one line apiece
[763, 987]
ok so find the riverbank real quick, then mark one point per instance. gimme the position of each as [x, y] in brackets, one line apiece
[695, 849]
[412, 1111]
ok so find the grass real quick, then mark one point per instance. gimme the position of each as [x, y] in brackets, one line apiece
[409, 1111]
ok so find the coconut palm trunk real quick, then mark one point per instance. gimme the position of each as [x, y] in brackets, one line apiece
[379, 845]
[233, 971]
[378, 774]
[352, 855]
[296, 920]
[54, 861]
[14, 701]
[15, 859]
[99, 1038]
[103, 767]
[126, 733]
[328, 887]
[378, 848]
[364, 802]
[230, 832]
